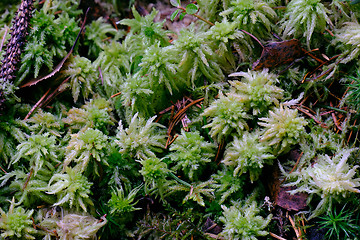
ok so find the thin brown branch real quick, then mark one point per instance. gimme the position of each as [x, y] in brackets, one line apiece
[220, 151]
[323, 125]
[351, 132]
[334, 119]
[175, 119]
[296, 230]
[197, 16]
[2, 169]
[37, 104]
[179, 114]
[322, 64]
[28, 179]
[56, 92]
[276, 236]
[116, 94]
[293, 169]
[170, 141]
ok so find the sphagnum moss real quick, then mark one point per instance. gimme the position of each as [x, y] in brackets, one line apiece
[128, 77]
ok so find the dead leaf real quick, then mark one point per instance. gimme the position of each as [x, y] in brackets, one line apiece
[295, 202]
[211, 227]
[280, 53]
[279, 194]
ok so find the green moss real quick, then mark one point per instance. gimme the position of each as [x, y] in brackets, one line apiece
[304, 17]
[257, 90]
[16, 223]
[142, 139]
[39, 150]
[254, 16]
[99, 144]
[228, 114]
[85, 147]
[248, 155]
[282, 128]
[72, 189]
[333, 179]
[242, 221]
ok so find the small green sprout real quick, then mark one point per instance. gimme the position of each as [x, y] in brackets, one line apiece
[196, 191]
[86, 146]
[340, 225]
[190, 9]
[39, 150]
[154, 172]
[254, 16]
[257, 90]
[227, 186]
[121, 204]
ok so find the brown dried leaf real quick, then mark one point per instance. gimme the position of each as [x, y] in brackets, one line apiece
[295, 202]
[279, 53]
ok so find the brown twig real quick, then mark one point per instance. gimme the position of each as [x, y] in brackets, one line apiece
[297, 231]
[56, 92]
[330, 32]
[116, 94]
[255, 38]
[322, 64]
[303, 223]
[169, 142]
[334, 119]
[314, 57]
[197, 16]
[297, 162]
[339, 99]
[276, 236]
[37, 104]
[351, 132]
[2, 169]
[327, 112]
[28, 179]
[293, 169]
[178, 116]
[306, 112]
[308, 109]
[220, 151]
